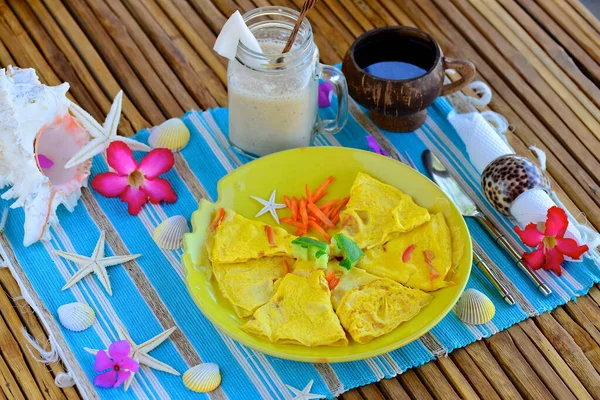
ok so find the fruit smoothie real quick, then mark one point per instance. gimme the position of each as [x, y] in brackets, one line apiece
[274, 110]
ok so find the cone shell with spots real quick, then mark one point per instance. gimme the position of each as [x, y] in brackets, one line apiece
[509, 176]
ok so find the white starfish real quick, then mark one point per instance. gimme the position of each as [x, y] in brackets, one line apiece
[140, 352]
[269, 206]
[102, 135]
[305, 394]
[96, 264]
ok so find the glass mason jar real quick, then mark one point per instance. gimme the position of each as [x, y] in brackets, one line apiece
[273, 97]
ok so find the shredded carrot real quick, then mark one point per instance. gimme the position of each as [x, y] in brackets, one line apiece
[321, 189]
[322, 231]
[335, 219]
[330, 275]
[269, 232]
[329, 204]
[218, 219]
[294, 208]
[319, 196]
[301, 231]
[303, 212]
[319, 214]
[292, 222]
[333, 283]
[313, 218]
[287, 201]
[287, 266]
[308, 195]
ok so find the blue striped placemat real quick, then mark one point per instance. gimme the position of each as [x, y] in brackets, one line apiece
[150, 295]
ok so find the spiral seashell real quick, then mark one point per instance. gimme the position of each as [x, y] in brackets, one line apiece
[76, 316]
[168, 234]
[171, 134]
[474, 308]
[202, 378]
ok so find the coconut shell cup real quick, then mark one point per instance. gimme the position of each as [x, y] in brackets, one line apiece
[400, 105]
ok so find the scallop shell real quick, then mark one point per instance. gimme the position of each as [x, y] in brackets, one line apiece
[168, 234]
[76, 316]
[171, 134]
[474, 308]
[202, 378]
[509, 176]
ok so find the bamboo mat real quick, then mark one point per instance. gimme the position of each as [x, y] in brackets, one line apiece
[540, 57]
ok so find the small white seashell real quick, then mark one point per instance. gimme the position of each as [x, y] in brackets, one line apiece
[171, 134]
[474, 308]
[168, 234]
[202, 378]
[76, 316]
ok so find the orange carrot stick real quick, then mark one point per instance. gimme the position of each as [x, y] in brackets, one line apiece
[334, 282]
[294, 208]
[287, 201]
[308, 195]
[319, 196]
[303, 212]
[269, 232]
[321, 189]
[319, 214]
[330, 275]
[329, 204]
[218, 219]
[322, 231]
[301, 231]
[292, 222]
[335, 219]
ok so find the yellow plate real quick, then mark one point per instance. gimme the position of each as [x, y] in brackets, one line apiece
[287, 172]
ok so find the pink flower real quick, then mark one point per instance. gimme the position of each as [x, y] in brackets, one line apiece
[136, 184]
[551, 245]
[118, 362]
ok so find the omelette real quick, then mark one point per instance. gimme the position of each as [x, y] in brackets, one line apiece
[250, 284]
[378, 212]
[378, 307]
[299, 312]
[419, 259]
[238, 239]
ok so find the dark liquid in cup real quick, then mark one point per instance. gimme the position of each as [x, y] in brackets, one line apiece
[393, 56]
[395, 70]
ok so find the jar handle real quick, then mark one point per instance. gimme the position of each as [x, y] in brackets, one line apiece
[336, 77]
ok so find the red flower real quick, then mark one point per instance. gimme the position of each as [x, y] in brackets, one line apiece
[551, 245]
[136, 184]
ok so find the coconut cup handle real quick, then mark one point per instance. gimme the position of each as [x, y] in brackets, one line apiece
[465, 68]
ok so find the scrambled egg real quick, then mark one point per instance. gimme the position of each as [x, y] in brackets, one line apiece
[378, 307]
[377, 212]
[299, 312]
[251, 284]
[238, 239]
[419, 259]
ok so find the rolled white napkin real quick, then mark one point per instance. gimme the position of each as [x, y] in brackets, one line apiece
[532, 206]
[234, 31]
[484, 145]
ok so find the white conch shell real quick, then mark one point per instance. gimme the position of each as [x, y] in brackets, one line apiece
[76, 316]
[34, 119]
[202, 378]
[168, 234]
[474, 308]
[171, 134]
